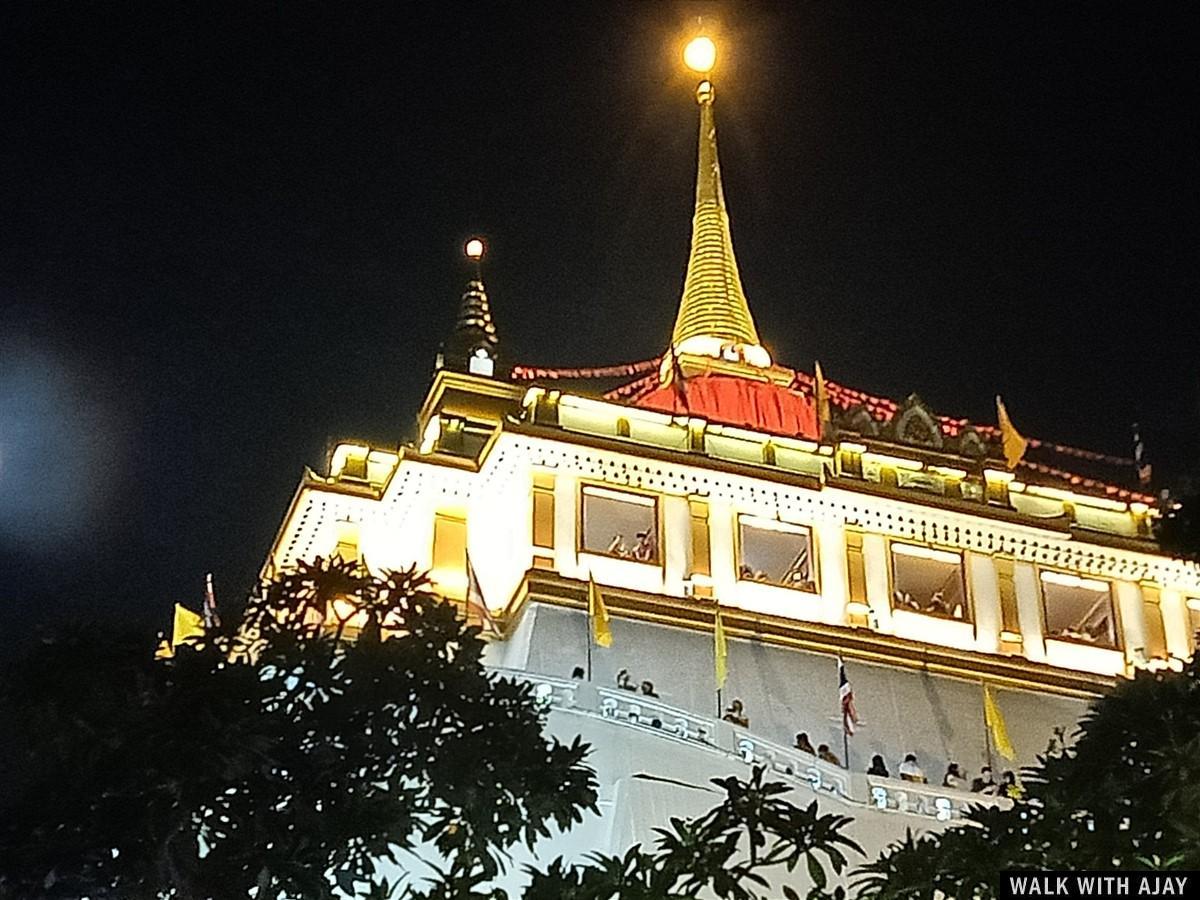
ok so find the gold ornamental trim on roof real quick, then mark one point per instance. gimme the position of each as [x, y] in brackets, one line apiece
[714, 317]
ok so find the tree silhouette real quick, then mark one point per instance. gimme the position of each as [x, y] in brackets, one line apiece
[744, 849]
[345, 719]
[1126, 794]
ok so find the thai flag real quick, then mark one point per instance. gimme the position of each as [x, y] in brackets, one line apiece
[211, 618]
[476, 603]
[846, 694]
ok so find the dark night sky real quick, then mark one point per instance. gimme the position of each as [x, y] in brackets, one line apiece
[229, 235]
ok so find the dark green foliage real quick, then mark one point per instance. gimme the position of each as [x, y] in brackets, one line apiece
[736, 851]
[293, 771]
[1127, 794]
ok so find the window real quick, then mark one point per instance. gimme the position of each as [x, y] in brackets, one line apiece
[355, 466]
[774, 553]
[620, 524]
[347, 540]
[1078, 609]
[543, 511]
[929, 582]
[449, 544]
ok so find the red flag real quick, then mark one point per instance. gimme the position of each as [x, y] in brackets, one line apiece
[846, 695]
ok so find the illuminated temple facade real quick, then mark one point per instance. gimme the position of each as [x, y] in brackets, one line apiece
[822, 521]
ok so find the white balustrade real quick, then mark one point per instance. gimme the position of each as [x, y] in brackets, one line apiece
[940, 803]
[638, 710]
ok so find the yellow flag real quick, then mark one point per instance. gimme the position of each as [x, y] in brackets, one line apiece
[164, 650]
[995, 722]
[1010, 438]
[720, 650]
[188, 625]
[598, 613]
[824, 419]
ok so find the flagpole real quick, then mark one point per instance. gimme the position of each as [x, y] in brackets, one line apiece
[845, 742]
[587, 619]
[987, 729]
[716, 680]
[842, 710]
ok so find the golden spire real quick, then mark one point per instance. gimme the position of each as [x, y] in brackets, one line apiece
[714, 318]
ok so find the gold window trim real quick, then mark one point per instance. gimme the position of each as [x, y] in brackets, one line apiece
[543, 509]
[448, 519]
[700, 562]
[1006, 592]
[856, 568]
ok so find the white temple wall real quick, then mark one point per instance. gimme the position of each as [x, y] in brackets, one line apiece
[785, 691]
[397, 530]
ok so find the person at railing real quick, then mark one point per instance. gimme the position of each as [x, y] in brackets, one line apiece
[646, 548]
[985, 783]
[827, 755]
[577, 673]
[624, 682]
[1010, 787]
[736, 714]
[804, 744]
[878, 767]
[953, 778]
[648, 689]
[910, 771]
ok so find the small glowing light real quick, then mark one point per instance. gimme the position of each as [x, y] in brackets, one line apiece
[474, 248]
[700, 54]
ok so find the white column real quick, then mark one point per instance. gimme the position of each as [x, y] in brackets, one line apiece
[1132, 620]
[985, 601]
[677, 539]
[831, 557]
[1029, 609]
[1176, 623]
[566, 494]
[875, 565]
[720, 548]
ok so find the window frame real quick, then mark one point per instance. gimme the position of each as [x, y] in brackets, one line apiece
[968, 617]
[1118, 644]
[795, 528]
[655, 505]
[1192, 618]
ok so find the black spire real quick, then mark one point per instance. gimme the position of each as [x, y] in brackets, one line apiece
[472, 345]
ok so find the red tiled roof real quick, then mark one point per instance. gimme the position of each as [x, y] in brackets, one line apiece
[791, 411]
[729, 400]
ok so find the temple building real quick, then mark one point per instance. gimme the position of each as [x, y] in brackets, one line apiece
[979, 587]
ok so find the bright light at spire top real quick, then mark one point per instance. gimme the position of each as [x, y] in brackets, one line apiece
[474, 248]
[700, 54]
